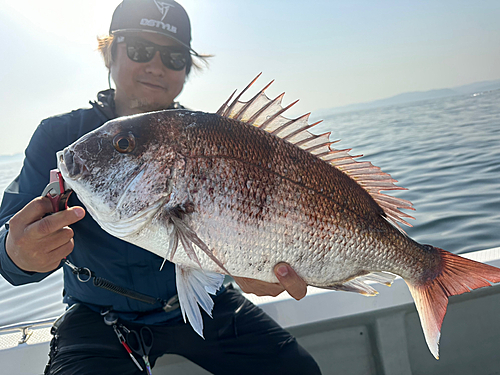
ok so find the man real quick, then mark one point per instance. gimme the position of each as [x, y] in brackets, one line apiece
[148, 54]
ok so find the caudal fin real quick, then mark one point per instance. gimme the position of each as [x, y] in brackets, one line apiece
[458, 275]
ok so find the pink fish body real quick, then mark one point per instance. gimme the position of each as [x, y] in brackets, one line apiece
[239, 191]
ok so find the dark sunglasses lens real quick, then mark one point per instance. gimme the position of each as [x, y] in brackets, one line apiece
[175, 60]
[140, 52]
[172, 57]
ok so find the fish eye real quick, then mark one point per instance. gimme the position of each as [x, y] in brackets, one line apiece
[124, 143]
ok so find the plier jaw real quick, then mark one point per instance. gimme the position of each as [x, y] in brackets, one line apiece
[57, 191]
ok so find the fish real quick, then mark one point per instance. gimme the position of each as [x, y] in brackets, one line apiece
[237, 191]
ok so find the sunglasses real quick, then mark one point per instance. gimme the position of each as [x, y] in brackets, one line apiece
[141, 51]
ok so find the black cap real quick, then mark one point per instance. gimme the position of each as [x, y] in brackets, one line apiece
[166, 17]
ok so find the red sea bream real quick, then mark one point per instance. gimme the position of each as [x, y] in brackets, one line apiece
[240, 190]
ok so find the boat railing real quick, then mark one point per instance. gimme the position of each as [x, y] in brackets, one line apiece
[31, 332]
[284, 309]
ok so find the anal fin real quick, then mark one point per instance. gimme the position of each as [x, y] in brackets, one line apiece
[379, 277]
[358, 284]
[353, 286]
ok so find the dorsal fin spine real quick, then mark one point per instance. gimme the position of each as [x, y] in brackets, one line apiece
[394, 201]
[230, 107]
[312, 138]
[300, 130]
[287, 124]
[371, 172]
[332, 152]
[220, 111]
[296, 131]
[355, 165]
[270, 120]
[240, 114]
[329, 143]
[252, 119]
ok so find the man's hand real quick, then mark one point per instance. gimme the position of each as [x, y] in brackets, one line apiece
[36, 243]
[288, 280]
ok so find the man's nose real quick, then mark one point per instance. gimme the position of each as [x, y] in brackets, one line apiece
[155, 66]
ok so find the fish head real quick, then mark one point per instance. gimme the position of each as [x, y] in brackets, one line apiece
[122, 171]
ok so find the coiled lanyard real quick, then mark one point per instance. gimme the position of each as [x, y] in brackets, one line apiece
[58, 192]
[84, 274]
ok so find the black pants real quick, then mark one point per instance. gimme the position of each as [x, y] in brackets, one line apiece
[240, 339]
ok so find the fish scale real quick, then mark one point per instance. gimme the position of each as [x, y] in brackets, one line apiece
[237, 210]
[241, 190]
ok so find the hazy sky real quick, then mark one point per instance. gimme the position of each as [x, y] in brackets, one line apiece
[326, 53]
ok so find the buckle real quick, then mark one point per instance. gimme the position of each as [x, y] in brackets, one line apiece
[172, 304]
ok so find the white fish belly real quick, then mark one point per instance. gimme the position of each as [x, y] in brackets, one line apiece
[253, 249]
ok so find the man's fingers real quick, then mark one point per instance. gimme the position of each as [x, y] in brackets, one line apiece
[258, 287]
[56, 256]
[36, 242]
[32, 212]
[55, 222]
[273, 290]
[46, 261]
[293, 283]
[288, 280]
[59, 238]
[62, 251]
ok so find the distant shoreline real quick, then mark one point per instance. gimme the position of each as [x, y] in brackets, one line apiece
[415, 96]
[476, 88]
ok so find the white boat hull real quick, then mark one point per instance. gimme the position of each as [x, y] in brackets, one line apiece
[345, 333]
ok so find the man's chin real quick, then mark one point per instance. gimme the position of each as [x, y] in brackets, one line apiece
[144, 105]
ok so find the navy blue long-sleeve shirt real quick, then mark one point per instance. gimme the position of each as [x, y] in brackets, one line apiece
[122, 263]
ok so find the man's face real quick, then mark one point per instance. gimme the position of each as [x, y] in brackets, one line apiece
[144, 87]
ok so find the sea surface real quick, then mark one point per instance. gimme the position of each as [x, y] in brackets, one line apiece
[445, 151]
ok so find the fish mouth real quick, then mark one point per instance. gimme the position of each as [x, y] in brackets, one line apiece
[71, 165]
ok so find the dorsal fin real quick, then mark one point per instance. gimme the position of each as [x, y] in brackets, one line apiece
[266, 113]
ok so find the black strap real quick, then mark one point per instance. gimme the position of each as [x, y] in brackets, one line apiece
[84, 275]
[108, 285]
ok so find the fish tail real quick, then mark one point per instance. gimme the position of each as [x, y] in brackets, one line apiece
[457, 275]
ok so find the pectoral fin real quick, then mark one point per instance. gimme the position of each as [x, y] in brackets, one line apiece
[184, 234]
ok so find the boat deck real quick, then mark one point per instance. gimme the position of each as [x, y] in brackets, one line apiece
[346, 333]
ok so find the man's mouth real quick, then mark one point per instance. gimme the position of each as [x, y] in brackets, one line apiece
[152, 85]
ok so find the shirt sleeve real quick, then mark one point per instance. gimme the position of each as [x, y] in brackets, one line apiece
[39, 159]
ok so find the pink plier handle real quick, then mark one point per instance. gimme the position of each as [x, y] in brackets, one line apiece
[56, 191]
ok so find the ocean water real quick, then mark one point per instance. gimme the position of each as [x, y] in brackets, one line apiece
[33, 301]
[445, 151]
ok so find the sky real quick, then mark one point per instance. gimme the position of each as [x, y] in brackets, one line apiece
[326, 53]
